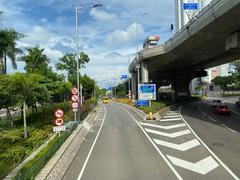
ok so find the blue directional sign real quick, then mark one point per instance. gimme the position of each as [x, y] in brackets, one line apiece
[124, 76]
[190, 6]
[147, 92]
[110, 88]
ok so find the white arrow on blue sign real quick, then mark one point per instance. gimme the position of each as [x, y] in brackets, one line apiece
[190, 6]
[147, 91]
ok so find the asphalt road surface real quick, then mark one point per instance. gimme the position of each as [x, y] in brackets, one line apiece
[122, 146]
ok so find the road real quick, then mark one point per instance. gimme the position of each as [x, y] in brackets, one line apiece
[122, 146]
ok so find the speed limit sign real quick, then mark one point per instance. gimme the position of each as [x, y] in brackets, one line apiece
[59, 122]
[59, 113]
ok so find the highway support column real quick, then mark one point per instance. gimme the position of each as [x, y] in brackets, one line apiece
[180, 83]
[144, 73]
[134, 86]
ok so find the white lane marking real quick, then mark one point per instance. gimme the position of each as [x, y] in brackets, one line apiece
[205, 114]
[202, 167]
[172, 113]
[170, 119]
[171, 135]
[90, 152]
[229, 128]
[181, 147]
[171, 116]
[235, 112]
[212, 153]
[214, 120]
[163, 127]
[156, 148]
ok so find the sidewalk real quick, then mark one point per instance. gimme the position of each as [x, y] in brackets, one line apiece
[59, 163]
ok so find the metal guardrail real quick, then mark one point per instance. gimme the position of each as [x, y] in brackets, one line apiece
[31, 172]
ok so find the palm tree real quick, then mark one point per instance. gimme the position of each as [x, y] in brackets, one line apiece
[8, 48]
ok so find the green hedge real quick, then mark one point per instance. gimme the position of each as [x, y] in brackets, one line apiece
[33, 167]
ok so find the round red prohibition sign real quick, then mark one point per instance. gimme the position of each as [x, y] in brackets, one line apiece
[74, 91]
[74, 98]
[59, 122]
[59, 113]
[74, 105]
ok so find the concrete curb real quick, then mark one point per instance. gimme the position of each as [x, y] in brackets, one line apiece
[160, 114]
[59, 163]
[140, 113]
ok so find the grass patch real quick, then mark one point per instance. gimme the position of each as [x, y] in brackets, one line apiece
[156, 106]
[14, 148]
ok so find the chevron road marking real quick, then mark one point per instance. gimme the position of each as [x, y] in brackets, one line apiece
[172, 113]
[163, 127]
[170, 119]
[202, 167]
[171, 116]
[171, 135]
[181, 147]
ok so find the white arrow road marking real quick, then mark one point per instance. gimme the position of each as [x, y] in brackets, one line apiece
[171, 119]
[171, 135]
[163, 127]
[181, 147]
[202, 167]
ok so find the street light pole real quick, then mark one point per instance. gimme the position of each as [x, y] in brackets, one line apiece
[77, 54]
[77, 47]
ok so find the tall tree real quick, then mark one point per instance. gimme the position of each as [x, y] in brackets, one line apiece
[35, 61]
[27, 88]
[68, 63]
[8, 38]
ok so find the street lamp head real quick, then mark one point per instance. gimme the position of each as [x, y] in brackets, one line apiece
[96, 5]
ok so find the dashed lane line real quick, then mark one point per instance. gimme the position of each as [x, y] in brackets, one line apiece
[228, 128]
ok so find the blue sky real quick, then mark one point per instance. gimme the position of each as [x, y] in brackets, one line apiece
[107, 34]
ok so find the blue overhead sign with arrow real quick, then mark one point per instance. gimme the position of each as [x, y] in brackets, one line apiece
[147, 92]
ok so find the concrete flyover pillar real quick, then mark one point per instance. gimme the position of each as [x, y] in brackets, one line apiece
[180, 83]
[144, 73]
[134, 85]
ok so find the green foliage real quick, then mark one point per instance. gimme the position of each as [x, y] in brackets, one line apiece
[156, 106]
[36, 62]
[88, 86]
[68, 63]
[121, 89]
[8, 38]
[224, 81]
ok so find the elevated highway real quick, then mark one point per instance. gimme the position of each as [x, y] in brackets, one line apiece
[209, 39]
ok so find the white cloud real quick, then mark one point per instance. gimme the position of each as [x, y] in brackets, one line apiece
[52, 54]
[103, 15]
[124, 36]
